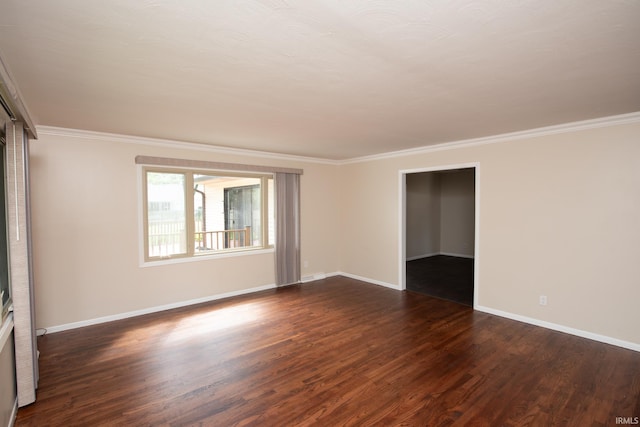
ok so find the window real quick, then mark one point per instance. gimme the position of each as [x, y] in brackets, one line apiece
[5, 289]
[189, 213]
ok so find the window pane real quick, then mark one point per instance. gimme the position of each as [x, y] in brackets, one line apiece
[166, 214]
[5, 290]
[226, 212]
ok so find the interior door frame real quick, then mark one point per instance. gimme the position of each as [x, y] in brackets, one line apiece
[402, 249]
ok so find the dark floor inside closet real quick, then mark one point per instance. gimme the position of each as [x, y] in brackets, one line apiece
[442, 276]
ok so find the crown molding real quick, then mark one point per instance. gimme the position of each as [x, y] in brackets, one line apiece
[511, 136]
[465, 143]
[168, 143]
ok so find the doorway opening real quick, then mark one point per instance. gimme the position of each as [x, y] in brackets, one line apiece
[439, 232]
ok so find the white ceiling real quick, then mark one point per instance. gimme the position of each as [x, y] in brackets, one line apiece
[332, 79]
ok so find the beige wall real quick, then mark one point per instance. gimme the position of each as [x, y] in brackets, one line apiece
[8, 393]
[85, 221]
[558, 217]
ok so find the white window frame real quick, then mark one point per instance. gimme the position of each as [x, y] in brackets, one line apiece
[191, 254]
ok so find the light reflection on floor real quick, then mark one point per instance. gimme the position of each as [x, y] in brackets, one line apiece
[214, 320]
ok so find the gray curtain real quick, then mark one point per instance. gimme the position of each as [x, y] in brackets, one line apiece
[287, 232]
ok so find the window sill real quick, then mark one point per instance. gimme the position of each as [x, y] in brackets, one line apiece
[206, 257]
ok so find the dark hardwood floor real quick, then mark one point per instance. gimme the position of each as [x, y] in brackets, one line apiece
[442, 276]
[330, 353]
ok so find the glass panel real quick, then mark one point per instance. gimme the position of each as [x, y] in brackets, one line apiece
[166, 214]
[226, 212]
[5, 289]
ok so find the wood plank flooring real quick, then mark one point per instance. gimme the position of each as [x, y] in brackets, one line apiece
[336, 352]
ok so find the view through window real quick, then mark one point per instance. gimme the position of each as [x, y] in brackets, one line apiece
[189, 213]
[5, 289]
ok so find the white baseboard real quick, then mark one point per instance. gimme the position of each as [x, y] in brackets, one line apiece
[413, 258]
[561, 328]
[548, 325]
[456, 255]
[316, 276]
[120, 316]
[368, 280]
[98, 320]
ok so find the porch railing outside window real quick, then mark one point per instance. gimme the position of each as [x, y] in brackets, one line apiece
[223, 239]
[188, 213]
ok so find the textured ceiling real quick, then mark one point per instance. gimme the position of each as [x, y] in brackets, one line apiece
[325, 78]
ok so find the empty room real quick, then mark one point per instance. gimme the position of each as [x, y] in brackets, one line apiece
[287, 213]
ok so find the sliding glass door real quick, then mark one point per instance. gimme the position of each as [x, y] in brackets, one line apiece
[5, 288]
[8, 390]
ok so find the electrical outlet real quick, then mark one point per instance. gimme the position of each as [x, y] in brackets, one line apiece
[305, 264]
[543, 300]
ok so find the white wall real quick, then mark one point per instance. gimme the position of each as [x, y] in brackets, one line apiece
[85, 202]
[558, 217]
